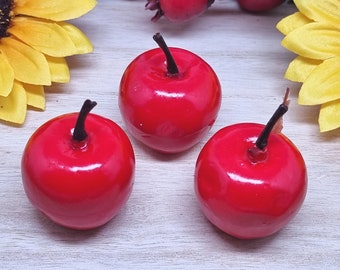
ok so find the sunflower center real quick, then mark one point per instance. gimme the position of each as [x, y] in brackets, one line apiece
[5, 16]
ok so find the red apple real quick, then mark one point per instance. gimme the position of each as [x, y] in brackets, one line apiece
[178, 10]
[80, 178]
[259, 5]
[250, 182]
[169, 98]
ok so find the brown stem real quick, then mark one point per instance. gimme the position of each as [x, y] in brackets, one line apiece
[79, 133]
[171, 64]
[210, 2]
[258, 153]
[262, 140]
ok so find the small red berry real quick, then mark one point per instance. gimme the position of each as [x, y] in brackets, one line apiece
[259, 5]
[178, 10]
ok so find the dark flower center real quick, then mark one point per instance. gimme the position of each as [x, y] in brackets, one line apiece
[5, 16]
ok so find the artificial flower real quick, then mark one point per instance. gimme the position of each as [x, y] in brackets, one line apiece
[35, 39]
[313, 33]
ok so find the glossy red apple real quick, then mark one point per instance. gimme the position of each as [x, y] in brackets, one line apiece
[259, 5]
[80, 178]
[169, 98]
[178, 10]
[250, 182]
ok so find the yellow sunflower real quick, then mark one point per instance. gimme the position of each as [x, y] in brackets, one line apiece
[34, 41]
[313, 33]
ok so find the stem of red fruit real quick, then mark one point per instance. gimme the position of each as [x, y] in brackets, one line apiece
[262, 140]
[79, 132]
[210, 2]
[258, 152]
[171, 64]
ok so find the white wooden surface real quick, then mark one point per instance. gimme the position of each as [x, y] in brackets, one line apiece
[162, 227]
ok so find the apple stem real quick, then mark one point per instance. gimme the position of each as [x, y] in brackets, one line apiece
[210, 2]
[262, 140]
[79, 132]
[171, 64]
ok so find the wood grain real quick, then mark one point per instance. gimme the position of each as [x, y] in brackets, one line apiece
[162, 227]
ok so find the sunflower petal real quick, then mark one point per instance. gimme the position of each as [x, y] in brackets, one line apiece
[300, 68]
[57, 10]
[323, 84]
[291, 22]
[81, 42]
[6, 76]
[45, 36]
[59, 70]
[29, 65]
[35, 95]
[327, 11]
[314, 40]
[13, 107]
[329, 117]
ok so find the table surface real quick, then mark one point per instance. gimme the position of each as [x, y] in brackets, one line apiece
[161, 227]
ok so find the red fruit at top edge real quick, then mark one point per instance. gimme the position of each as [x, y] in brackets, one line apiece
[178, 10]
[259, 5]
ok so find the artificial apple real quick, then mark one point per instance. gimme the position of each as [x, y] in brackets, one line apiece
[259, 5]
[178, 10]
[249, 180]
[169, 98]
[78, 169]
